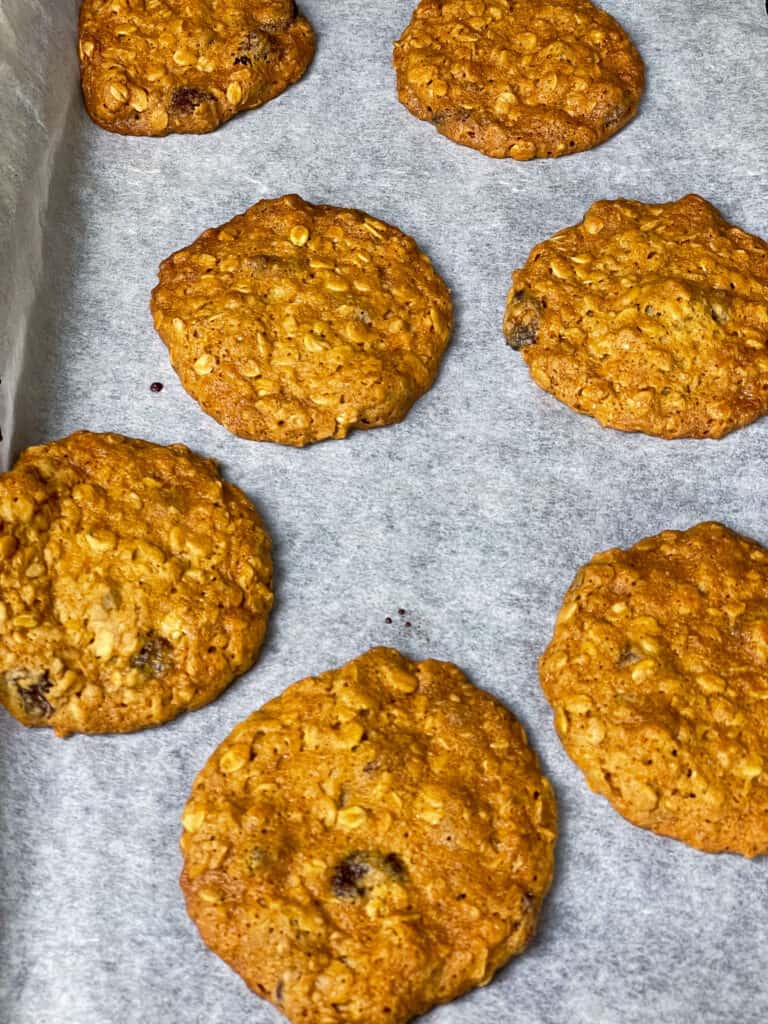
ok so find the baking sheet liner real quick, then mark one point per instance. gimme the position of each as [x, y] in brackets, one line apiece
[472, 515]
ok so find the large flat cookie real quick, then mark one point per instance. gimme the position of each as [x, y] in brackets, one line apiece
[519, 78]
[650, 318]
[296, 323]
[134, 584]
[658, 676]
[187, 65]
[373, 841]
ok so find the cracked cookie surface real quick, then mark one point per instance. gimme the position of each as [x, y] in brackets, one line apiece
[152, 67]
[519, 78]
[658, 676]
[134, 584]
[373, 841]
[648, 318]
[296, 323]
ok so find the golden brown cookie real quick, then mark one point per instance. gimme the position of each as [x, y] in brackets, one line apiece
[650, 318]
[296, 323]
[658, 676]
[161, 66]
[372, 842]
[134, 584]
[519, 78]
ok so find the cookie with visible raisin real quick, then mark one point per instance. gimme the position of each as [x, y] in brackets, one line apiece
[518, 78]
[134, 584]
[296, 323]
[648, 317]
[187, 65]
[658, 676]
[372, 842]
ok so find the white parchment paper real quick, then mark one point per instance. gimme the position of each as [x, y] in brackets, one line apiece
[472, 515]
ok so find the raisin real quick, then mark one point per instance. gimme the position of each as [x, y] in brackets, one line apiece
[520, 336]
[347, 876]
[32, 695]
[153, 655]
[394, 865]
[156, 386]
[186, 99]
[627, 657]
[523, 330]
[242, 59]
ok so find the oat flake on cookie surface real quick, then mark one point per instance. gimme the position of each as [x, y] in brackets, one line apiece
[295, 323]
[372, 842]
[134, 584]
[152, 67]
[519, 78]
[649, 318]
[658, 676]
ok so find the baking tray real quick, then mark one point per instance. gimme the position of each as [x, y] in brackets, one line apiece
[472, 515]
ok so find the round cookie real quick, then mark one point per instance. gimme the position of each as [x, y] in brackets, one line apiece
[187, 65]
[134, 584]
[648, 318]
[296, 323]
[372, 842]
[658, 676]
[519, 78]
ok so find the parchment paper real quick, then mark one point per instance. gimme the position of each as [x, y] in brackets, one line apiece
[472, 515]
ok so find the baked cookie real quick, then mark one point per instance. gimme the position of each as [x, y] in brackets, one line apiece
[134, 584]
[372, 842]
[296, 323]
[658, 676]
[187, 65]
[650, 318]
[519, 78]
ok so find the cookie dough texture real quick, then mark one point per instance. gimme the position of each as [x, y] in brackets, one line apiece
[372, 842]
[648, 318]
[134, 584]
[151, 67]
[296, 323]
[519, 78]
[658, 676]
